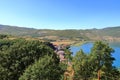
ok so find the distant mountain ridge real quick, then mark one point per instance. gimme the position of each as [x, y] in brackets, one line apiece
[17, 31]
[110, 33]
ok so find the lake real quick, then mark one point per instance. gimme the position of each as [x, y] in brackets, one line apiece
[87, 47]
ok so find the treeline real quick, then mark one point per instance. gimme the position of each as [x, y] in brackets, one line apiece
[22, 59]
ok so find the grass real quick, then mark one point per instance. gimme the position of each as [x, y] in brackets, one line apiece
[79, 43]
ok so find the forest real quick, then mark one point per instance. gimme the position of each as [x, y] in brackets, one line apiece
[22, 59]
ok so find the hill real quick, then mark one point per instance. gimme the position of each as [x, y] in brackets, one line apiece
[17, 31]
[110, 33]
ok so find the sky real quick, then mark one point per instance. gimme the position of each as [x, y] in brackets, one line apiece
[60, 14]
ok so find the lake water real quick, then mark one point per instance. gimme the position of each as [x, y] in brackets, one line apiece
[87, 47]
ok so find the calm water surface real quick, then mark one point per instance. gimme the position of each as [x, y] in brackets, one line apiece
[87, 47]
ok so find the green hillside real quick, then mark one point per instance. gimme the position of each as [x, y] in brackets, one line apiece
[89, 34]
[17, 31]
[111, 31]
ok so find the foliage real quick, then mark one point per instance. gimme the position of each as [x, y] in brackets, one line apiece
[17, 55]
[2, 36]
[45, 68]
[82, 66]
[87, 66]
[103, 58]
[34, 60]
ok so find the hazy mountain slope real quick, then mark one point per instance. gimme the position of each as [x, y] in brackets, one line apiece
[18, 31]
[111, 31]
[89, 34]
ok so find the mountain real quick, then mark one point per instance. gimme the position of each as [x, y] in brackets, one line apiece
[17, 31]
[109, 33]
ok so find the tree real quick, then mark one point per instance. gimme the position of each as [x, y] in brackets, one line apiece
[19, 54]
[102, 54]
[81, 66]
[45, 68]
[2, 36]
[96, 64]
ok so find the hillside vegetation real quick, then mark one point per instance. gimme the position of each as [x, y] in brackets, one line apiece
[109, 34]
[17, 31]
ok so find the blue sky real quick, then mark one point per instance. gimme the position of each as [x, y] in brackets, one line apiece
[60, 14]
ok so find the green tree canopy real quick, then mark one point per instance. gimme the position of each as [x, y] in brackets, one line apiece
[19, 54]
[87, 66]
[45, 68]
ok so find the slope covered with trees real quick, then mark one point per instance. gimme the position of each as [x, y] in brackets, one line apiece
[110, 33]
[17, 31]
